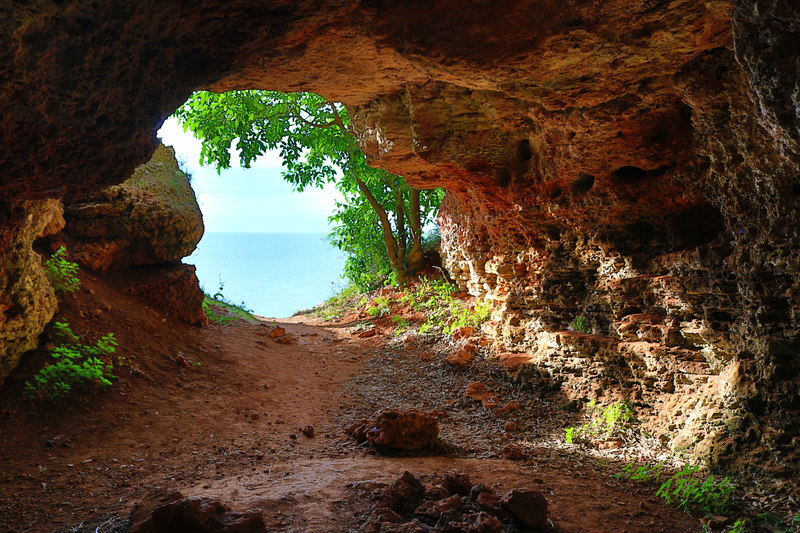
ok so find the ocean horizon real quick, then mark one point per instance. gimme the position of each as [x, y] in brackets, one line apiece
[273, 274]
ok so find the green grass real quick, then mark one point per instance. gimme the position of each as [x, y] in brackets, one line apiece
[221, 311]
[335, 307]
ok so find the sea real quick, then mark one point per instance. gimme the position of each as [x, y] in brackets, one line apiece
[272, 274]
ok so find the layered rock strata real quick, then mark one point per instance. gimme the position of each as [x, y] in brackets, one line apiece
[631, 162]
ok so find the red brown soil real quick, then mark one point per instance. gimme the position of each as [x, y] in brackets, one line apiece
[218, 411]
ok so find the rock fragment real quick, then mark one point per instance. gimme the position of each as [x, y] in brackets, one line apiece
[409, 430]
[528, 507]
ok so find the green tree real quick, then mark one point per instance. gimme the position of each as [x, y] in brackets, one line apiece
[380, 223]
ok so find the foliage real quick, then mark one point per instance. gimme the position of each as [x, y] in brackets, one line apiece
[78, 366]
[646, 473]
[379, 307]
[61, 272]
[464, 316]
[222, 311]
[683, 489]
[348, 299]
[445, 312]
[401, 324]
[604, 423]
[581, 324]
[379, 224]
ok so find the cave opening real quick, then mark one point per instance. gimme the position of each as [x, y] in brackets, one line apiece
[264, 245]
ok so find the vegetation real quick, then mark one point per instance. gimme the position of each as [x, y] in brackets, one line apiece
[340, 303]
[222, 311]
[379, 224]
[78, 366]
[684, 489]
[604, 424]
[581, 324]
[62, 273]
[435, 299]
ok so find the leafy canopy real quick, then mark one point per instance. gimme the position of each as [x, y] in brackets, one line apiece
[379, 223]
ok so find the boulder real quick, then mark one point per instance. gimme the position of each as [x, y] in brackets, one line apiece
[152, 217]
[172, 288]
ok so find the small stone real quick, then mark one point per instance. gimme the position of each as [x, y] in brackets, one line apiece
[384, 514]
[512, 452]
[459, 359]
[527, 506]
[308, 431]
[510, 426]
[486, 523]
[507, 408]
[436, 492]
[462, 332]
[457, 483]
[433, 509]
[277, 332]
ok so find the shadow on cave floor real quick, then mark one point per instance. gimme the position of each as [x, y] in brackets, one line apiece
[219, 412]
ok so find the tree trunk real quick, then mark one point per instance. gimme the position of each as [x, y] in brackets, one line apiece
[415, 258]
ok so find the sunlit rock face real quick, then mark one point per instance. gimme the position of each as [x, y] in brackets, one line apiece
[151, 218]
[634, 163]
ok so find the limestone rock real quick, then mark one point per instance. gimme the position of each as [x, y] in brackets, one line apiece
[173, 288]
[27, 300]
[152, 217]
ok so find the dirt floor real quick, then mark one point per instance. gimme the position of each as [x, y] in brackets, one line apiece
[218, 411]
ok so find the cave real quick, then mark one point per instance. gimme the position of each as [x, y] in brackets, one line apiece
[670, 133]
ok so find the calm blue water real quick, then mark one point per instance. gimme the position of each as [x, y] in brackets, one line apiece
[274, 274]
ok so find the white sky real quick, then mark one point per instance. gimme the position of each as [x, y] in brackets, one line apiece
[255, 200]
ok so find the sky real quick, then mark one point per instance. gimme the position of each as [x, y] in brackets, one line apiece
[254, 200]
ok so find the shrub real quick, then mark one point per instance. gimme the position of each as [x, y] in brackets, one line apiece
[605, 422]
[62, 273]
[684, 490]
[581, 324]
[78, 366]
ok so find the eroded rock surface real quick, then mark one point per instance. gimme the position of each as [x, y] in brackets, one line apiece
[27, 299]
[150, 218]
[631, 162]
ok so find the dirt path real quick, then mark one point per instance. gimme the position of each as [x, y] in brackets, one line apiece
[219, 412]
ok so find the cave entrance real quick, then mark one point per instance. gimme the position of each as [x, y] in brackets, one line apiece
[297, 142]
[265, 245]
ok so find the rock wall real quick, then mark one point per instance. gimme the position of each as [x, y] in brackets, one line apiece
[632, 162]
[27, 300]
